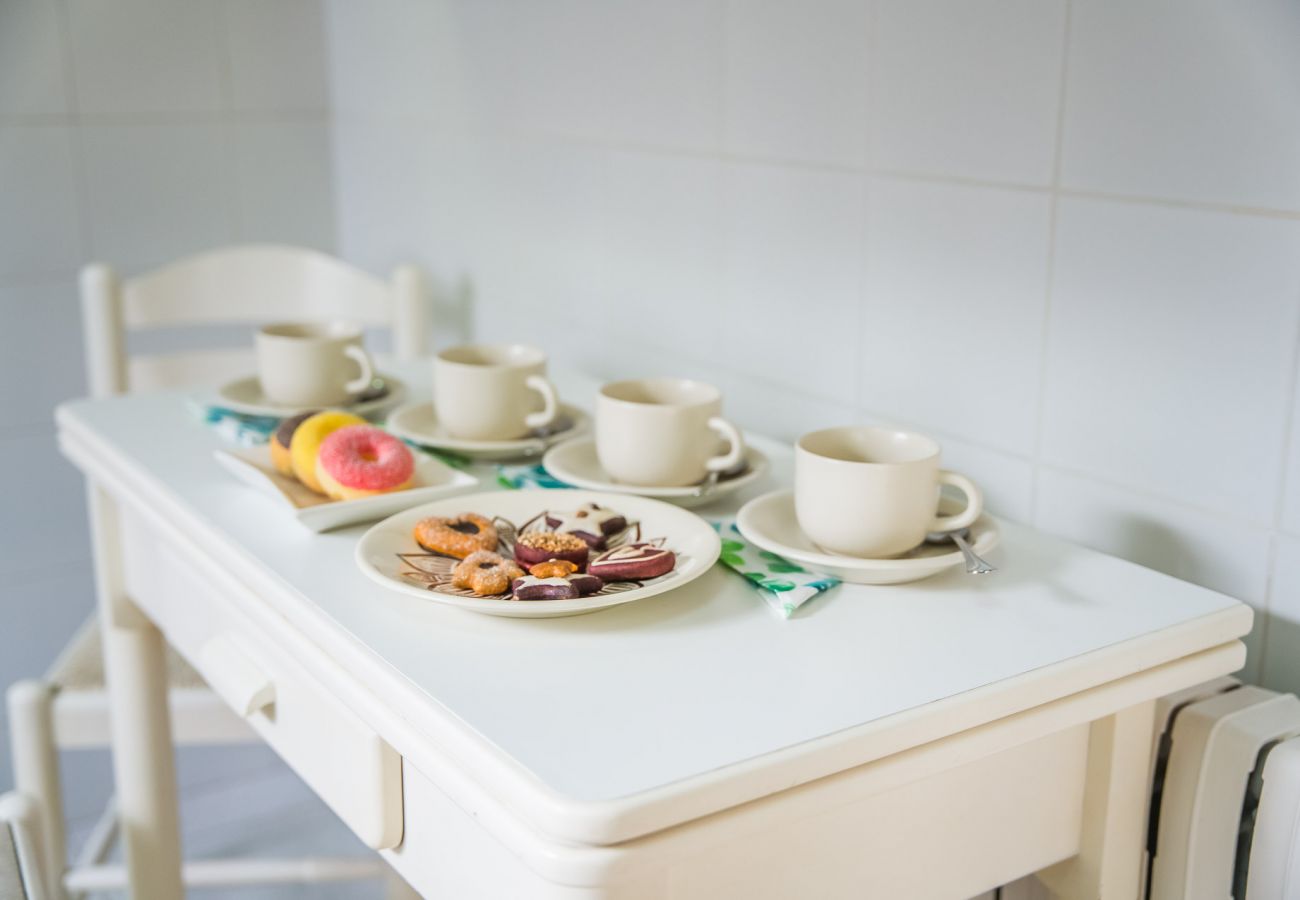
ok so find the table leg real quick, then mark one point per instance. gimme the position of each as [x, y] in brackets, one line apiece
[143, 756]
[1109, 863]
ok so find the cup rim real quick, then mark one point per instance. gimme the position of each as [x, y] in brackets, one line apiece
[326, 330]
[710, 393]
[933, 451]
[526, 355]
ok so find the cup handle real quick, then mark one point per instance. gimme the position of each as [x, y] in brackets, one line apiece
[362, 358]
[974, 504]
[551, 404]
[735, 453]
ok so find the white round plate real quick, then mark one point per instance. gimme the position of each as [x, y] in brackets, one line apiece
[575, 462]
[418, 424]
[383, 551]
[769, 522]
[244, 395]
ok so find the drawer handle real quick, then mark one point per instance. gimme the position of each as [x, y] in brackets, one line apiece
[235, 677]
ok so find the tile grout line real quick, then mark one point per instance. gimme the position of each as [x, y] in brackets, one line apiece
[306, 115]
[864, 247]
[1288, 425]
[1262, 623]
[81, 177]
[1053, 218]
[234, 212]
[729, 157]
[1224, 517]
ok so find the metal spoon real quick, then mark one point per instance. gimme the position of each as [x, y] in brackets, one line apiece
[705, 487]
[975, 564]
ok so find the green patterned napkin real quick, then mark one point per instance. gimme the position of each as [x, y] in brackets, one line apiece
[784, 585]
[237, 428]
[527, 475]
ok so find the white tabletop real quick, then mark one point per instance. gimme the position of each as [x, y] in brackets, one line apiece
[620, 702]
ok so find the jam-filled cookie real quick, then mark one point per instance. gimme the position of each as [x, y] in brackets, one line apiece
[533, 547]
[553, 568]
[556, 587]
[590, 522]
[633, 562]
[486, 573]
[458, 536]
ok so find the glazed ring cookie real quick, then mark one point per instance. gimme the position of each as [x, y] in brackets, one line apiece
[485, 573]
[458, 536]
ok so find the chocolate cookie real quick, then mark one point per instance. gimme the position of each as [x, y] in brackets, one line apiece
[534, 547]
[560, 587]
[633, 562]
[590, 522]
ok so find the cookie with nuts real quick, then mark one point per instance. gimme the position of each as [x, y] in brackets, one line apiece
[534, 547]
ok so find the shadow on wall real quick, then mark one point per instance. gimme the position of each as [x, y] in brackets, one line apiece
[1283, 670]
[1151, 543]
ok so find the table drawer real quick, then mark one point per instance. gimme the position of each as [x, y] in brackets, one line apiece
[356, 772]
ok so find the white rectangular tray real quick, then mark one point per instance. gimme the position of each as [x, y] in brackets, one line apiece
[253, 466]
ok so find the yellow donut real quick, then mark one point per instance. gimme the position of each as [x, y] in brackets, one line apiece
[307, 440]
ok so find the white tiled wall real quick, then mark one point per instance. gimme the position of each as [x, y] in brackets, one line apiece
[1062, 235]
[132, 131]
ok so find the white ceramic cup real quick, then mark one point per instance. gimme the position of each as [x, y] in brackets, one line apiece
[312, 364]
[874, 492]
[662, 432]
[493, 392]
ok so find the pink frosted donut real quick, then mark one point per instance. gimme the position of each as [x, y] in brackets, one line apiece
[362, 460]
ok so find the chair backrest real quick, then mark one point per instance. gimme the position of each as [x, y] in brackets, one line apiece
[256, 284]
[20, 874]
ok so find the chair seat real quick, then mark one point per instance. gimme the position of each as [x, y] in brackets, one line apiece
[80, 666]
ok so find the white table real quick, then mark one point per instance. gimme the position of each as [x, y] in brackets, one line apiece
[924, 740]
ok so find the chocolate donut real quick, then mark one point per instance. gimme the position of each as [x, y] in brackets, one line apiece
[560, 587]
[280, 439]
[633, 562]
[590, 522]
[533, 547]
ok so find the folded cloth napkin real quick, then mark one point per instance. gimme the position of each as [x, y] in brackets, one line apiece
[238, 428]
[783, 584]
[517, 477]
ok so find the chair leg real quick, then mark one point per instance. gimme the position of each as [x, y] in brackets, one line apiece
[36, 772]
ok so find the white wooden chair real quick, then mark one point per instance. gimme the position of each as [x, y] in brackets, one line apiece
[21, 873]
[70, 708]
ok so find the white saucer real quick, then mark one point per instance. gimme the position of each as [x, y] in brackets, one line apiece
[418, 424]
[245, 396]
[769, 522]
[574, 462]
[389, 555]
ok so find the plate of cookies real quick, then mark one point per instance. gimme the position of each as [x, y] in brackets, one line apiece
[538, 553]
[333, 468]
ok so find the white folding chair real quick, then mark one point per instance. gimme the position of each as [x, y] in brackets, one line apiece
[21, 873]
[69, 708]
